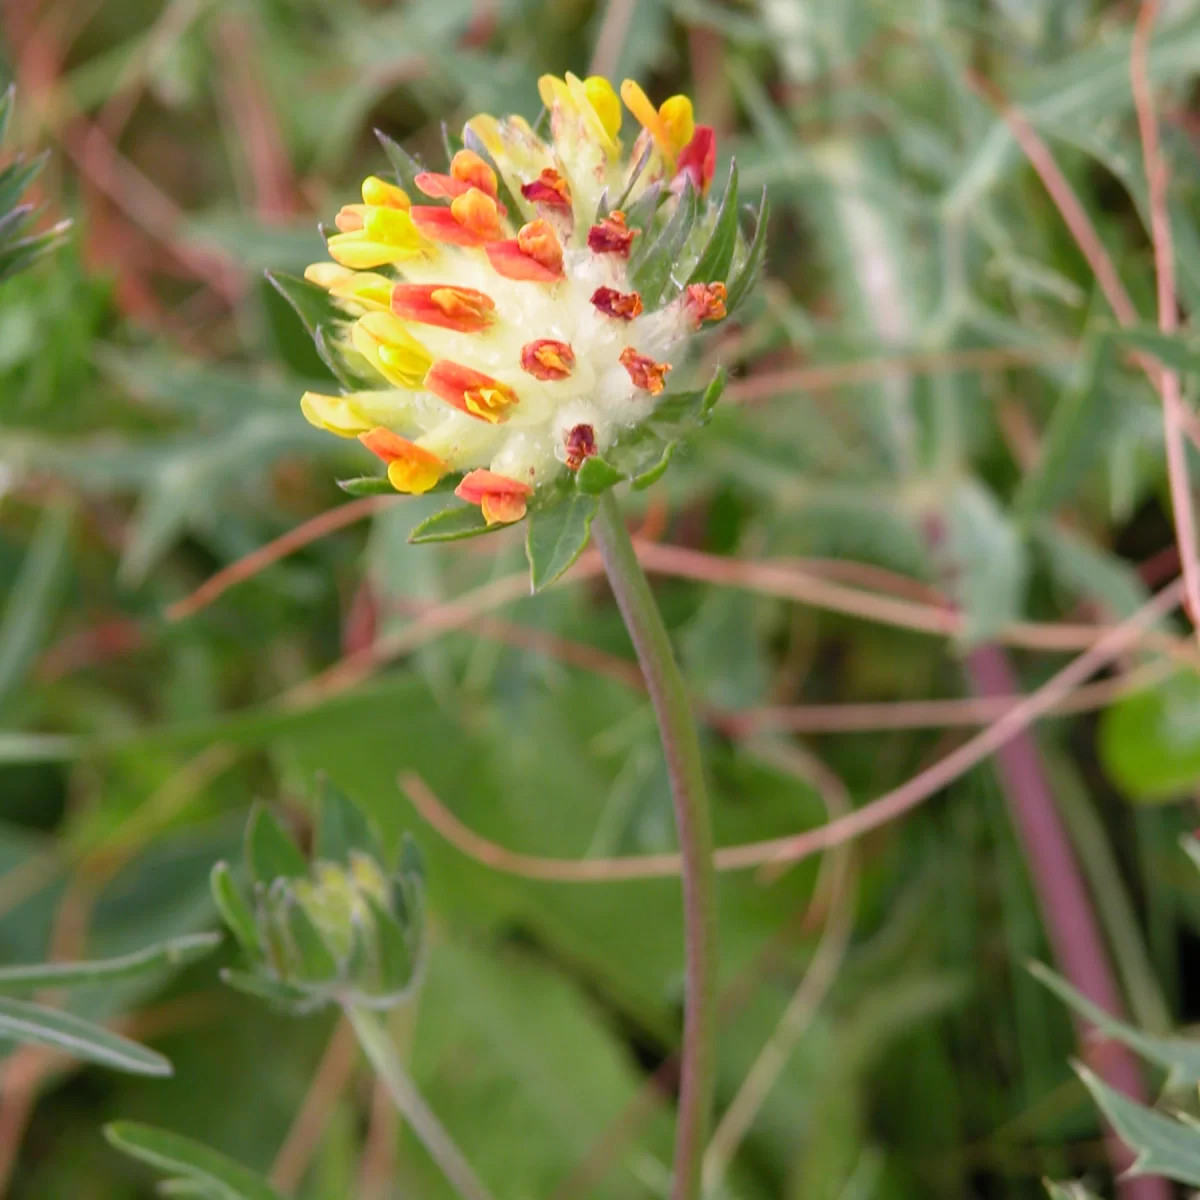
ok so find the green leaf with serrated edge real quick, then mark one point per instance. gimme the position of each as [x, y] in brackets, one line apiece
[453, 524]
[596, 475]
[740, 286]
[36, 1025]
[1162, 1146]
[367, 485]
[557, 536]
[180, 1156]
[718, 254]
[393, 956]
[1179, 1056]
[234, 909]
[312, 960]
[343, 827]
[177, 952]
[516, 205]
[274, 991]
[653, 273]
[403, 164]
[270, 852]
[648, 478]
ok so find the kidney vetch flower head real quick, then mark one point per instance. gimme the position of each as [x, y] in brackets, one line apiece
[508, 328]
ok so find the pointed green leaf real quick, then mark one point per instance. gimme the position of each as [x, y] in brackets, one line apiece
[452, 142]
[177, 952]
[405, 166]
[314, 305]
[640, 215]
[34, 1024]
[1079, 429]
[740, 287]
[1179, 1056]
[311, 959]
[718, 254]
[343, 827]
[653, 273]
[596, 475]
[234, 910]
[31, 600]
[180, 1156]
[393, 955]
[270, 853]
[556, 537]
[16, 178]
[1162, 1146]
[453, 524]
[650, 477]
[6, 107]
[282, 995]
[367, 485]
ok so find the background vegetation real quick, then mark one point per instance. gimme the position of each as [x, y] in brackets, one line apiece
[933, 442]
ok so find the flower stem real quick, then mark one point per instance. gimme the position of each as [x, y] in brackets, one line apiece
[685, 769]
[377, 1045]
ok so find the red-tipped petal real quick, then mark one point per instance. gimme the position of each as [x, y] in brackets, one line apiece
[508, 259]
[611, 236]
[698, 159]
[470, 391]
[644, 371]
[462, 309]
[549, 188]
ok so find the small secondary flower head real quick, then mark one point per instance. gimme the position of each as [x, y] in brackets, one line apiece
[501, 323]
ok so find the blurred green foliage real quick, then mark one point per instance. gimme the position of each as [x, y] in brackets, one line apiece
[149, 385]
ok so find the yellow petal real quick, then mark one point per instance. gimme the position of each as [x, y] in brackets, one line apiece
[335, 414]
[379, 192]
[360, 253]
[327, 274]
[393, 226]
[415, 478]
[604, 100]
[371, 291]
[679, 120]
[391, 349]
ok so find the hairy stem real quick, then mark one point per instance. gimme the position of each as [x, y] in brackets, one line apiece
[377, 1044]
[685, 768]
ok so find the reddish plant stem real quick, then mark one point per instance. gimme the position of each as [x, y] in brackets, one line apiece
[1067, 912]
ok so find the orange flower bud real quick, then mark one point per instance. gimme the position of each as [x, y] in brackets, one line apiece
[644, 371]
[540, 242]
[472, 219]
[501, 499]
[468, 168]
[470, 391]
[612, 303]
[459, 308]
[611, 236]
[547, 359]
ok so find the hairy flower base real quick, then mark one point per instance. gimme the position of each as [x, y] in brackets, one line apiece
[522, 316]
